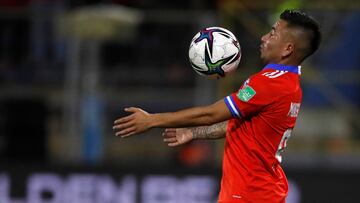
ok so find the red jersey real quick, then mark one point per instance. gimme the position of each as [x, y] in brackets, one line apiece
[265, 110]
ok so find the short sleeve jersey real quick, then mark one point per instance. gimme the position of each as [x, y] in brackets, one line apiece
[264, 112]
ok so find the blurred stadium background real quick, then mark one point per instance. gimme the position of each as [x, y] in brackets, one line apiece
[68, 68]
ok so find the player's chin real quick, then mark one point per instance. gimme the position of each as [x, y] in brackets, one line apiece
[263, 57]
[261, 53]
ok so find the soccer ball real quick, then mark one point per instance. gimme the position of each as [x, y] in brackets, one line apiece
[214, 51]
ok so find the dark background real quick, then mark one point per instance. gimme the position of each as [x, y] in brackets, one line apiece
[68, 68]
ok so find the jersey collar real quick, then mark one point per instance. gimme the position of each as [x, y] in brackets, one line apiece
[293, 69]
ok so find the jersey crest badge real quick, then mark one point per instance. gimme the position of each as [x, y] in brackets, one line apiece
[246, 93]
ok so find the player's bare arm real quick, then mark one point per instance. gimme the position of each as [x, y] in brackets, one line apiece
[178, 136]
[140, 121]
[215, 131]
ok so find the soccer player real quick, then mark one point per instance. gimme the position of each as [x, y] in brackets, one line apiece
[256, 121]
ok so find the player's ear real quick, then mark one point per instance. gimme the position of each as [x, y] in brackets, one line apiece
[288, 49]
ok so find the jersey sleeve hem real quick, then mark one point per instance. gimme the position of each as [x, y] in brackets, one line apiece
[230, 103]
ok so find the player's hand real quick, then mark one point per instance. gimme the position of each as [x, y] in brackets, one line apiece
[177, 136]
[137, 122]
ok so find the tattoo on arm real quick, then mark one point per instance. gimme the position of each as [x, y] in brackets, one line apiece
[214, 131]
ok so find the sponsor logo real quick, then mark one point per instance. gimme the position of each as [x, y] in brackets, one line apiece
[294, 109]
[246, 93]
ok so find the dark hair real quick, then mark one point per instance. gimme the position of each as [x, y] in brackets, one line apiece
[299, 19]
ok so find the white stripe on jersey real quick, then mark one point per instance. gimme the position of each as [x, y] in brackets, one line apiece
[274, 74]
[267, 74]
[279, 74]
[228, 98]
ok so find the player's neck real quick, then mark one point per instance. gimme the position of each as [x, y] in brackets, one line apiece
[288, 62]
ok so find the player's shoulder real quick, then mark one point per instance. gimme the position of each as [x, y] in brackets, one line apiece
[273, 75]
[274, 80]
